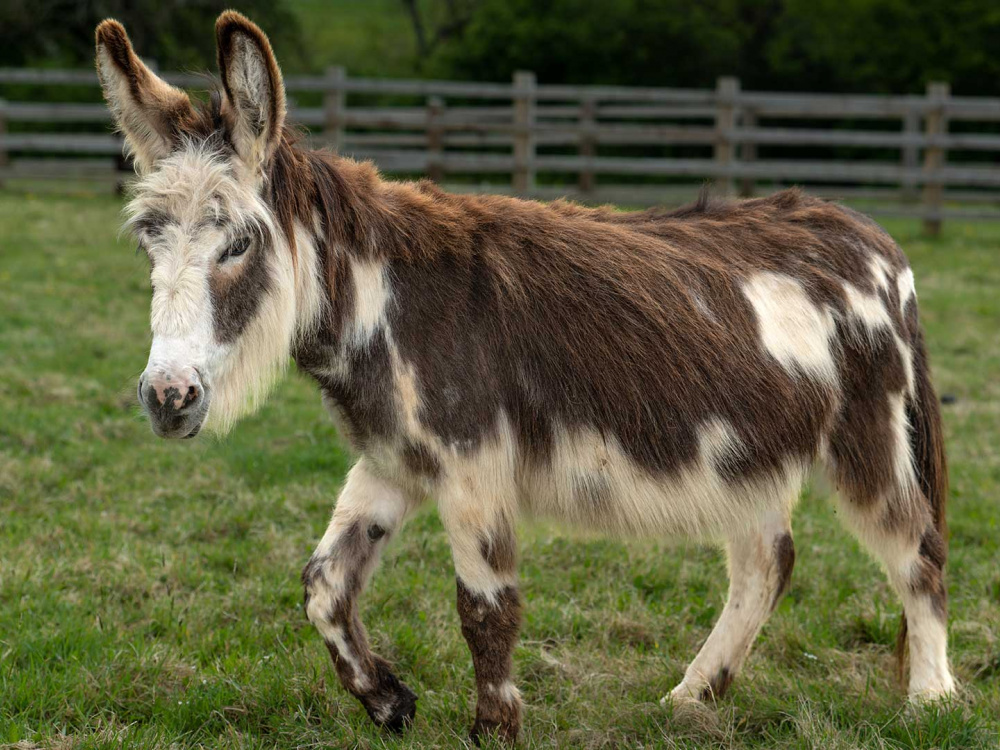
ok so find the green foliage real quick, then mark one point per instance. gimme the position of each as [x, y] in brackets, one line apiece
[178, 34]
[809, 45]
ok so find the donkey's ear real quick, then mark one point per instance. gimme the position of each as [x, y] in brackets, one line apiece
[150, 112]
[253, 86]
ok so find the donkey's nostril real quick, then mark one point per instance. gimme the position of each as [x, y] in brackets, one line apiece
[193, 394]
[170, 393]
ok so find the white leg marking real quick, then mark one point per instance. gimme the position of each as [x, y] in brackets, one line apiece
[930, 675]
[755, 580]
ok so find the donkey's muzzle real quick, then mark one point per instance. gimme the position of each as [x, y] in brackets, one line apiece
[176, 401]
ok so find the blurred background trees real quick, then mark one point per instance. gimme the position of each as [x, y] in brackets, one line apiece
[814, 45]
[176, 33]
[808, 45]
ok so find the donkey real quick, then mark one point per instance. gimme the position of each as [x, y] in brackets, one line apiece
[656, 373]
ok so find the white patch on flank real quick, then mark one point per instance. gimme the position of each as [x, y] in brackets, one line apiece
[906, 354]
[868, 308]
[901, 450]
[693, 501]
[371, 298]
[793, 330]
[905, 287]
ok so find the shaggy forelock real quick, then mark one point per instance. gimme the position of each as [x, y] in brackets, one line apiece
[201, 182]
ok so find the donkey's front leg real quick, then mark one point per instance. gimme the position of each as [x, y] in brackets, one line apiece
[489, 606]
[369, 511]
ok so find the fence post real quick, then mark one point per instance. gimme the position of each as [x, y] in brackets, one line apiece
[4, 161]
[727, 88]
[934, 156]
[910, 154]
[334, 104]
[523, 178]
[588, 143]
[748, 152]
[435, 138]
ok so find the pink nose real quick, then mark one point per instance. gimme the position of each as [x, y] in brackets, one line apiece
[173, 392]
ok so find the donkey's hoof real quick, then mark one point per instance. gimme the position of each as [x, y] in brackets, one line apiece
[483, 729]
[393, 711]
[941, 691]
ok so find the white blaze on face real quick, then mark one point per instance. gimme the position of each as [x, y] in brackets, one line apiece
[203, 206]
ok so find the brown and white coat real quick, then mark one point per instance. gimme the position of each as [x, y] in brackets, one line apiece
[656, 373]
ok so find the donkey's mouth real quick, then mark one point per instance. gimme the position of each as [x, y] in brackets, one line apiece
[183, 427]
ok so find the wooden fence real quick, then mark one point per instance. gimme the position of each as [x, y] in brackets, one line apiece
[908, 155]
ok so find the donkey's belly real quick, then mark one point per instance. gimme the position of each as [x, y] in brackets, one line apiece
[592, 482]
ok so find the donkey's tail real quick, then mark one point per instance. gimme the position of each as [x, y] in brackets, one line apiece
[927, 440]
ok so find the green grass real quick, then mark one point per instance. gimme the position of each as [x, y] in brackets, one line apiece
[149, 591]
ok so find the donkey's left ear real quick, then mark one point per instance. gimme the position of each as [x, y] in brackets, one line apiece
[253, 86]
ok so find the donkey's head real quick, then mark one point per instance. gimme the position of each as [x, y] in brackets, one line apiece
[224, 307]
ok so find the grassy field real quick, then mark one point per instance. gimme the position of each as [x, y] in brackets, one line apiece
[149, 592]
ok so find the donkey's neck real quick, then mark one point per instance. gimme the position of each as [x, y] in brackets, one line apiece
[356, 226]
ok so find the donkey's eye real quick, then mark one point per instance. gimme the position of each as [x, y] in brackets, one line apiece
[236, 249]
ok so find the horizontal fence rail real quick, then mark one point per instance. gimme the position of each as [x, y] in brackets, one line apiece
[595, 143]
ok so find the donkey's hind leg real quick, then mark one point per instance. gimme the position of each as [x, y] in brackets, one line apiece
[900, 533]
[760, 567]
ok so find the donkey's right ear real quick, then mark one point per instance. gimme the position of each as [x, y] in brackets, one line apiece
[150, 112]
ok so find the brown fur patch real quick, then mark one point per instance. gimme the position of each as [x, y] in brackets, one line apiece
[238, 293]
[418, 459]
[500, 550]
[491, 632]
[929, 578]
[784, 555]
[718, 685]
